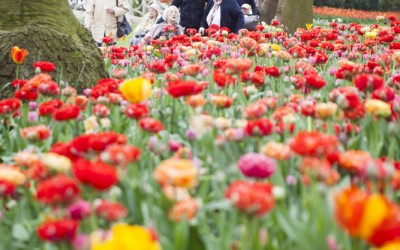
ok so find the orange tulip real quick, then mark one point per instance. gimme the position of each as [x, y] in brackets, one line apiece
[361, 214]
[18, 55]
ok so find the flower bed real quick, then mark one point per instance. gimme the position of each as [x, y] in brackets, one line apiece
[250, 141]
[356, 14]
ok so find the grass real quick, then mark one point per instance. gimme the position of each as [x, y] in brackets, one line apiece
[362, 21]
[127, 41]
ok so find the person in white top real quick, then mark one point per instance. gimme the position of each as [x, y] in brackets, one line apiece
[101, 17]
[147, 23]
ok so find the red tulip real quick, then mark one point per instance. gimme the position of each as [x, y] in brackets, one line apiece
[59, 189]
[57, 230]
[251, 197]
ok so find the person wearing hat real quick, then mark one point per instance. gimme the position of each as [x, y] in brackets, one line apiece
[252, 3]
[224, 13]
[146, 24]
[171, 15]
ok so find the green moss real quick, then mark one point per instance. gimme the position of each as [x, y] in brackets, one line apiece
[49, 31]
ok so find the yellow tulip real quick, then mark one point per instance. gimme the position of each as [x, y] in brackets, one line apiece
[136, 90]
[12, 174]
[126, 237]
[378, 107]
[370, 34]
[309, 26]
[325, 110]
[276, 47]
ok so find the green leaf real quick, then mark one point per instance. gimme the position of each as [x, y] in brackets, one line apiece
[19, 232]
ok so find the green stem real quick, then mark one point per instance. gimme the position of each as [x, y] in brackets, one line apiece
[17, 72]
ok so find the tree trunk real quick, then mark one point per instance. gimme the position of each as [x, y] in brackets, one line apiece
[49, 31]
[295, 14]
[267, 10]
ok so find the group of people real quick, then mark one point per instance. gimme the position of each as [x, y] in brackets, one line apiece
[102, 15]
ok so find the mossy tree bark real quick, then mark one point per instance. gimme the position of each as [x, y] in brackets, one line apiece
[268, 10]
[295, 14]
[49, 30]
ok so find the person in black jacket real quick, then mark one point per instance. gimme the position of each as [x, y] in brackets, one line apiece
[252, 3]
[225, 13]
[191, 12]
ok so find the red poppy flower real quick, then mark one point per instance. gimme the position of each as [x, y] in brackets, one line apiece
[68, 112]
[57, 230]
[59, 189]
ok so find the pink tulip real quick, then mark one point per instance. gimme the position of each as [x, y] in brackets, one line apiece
[256, 165]
[79, 210]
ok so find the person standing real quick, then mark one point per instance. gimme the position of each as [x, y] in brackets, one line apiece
[252, 3]
[225, 13]
[191, 12]
[101, 17]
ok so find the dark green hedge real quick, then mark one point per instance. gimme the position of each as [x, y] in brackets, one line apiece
[372, 5]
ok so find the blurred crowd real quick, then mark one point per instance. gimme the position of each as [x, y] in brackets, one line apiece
[168, 18]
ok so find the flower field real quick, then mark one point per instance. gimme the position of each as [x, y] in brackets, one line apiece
[253, 141]
[357, 14]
